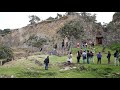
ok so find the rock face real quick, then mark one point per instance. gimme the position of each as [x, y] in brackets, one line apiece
[44, 29]
[112, 32]
[48, 29]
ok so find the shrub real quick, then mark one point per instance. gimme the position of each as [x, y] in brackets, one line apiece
[5, 52]
[115, 46]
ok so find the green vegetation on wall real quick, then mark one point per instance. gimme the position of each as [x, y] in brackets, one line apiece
[4, 32]
[73, 28]
[36, 41]
[5, 52]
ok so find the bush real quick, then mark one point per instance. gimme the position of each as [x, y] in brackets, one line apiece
[5, 52]
[115, 46]
[5, 32]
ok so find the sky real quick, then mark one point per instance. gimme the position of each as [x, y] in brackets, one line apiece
[15, 20]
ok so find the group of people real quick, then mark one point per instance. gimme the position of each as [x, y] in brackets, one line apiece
[116, 57]
[89, 56]
[85, 55]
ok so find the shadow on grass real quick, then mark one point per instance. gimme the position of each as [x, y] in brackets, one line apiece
[104, 73]
[98, 72]
[36, 74]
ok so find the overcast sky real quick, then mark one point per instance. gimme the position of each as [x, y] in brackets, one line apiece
[14, 20]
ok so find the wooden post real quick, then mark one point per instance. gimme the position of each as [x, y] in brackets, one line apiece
[0, 62]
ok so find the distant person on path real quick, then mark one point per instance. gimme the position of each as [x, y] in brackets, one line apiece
[40, 49]
[92, 44]
[78, 57]
[86, 44]
[78, 45]
[69, 60]
[108, 56]
[63, 44]
[84, 56]
[46, 62]
[99, 56]
[56, 46]
[116, 58]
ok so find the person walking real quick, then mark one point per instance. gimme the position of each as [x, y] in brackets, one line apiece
[84, 56]
[69, 60]
[99, 56]
[78, 57]
[46, 62]
[92, 56]
[116, 58]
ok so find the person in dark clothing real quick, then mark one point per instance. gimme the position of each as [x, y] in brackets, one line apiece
[40, 49]
[46, 62]
[88, 56]
[92, 44]
[116, 58]
[78, 57]
[63, 44]
[56, 46]
[99, 56]
[108, 56]
[91, 56]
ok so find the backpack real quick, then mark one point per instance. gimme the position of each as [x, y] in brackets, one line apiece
[45, 61]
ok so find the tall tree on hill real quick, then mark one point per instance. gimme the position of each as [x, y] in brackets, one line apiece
[4, 32]
[35, 41]
[71, 30]
[6, 52]
[88, 17]
[34, 19]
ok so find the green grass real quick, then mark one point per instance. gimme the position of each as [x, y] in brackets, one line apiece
[23, 68]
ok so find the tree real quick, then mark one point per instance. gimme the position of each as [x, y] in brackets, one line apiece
[73, 28]
[34, 19]
[39, 43]
[5, 52]
[88, 17]
[116, 16]
[5, 32]
[50, 18]
[70, 13]
[1, 31]
[35, 41]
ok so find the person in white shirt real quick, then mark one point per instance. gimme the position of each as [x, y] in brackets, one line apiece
[84, 56]
[69, 60]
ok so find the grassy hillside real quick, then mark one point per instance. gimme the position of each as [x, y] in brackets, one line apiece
[33, 67]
